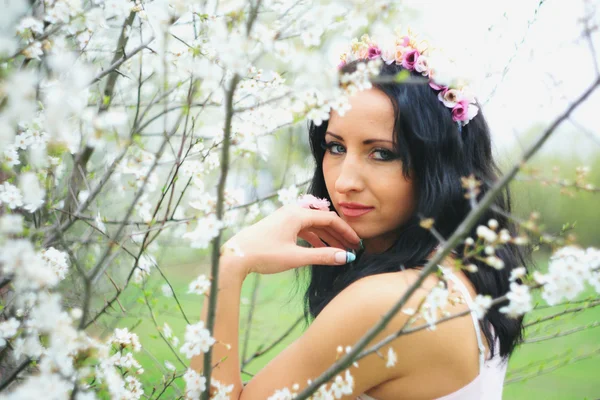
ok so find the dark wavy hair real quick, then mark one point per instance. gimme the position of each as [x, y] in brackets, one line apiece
[431, 146]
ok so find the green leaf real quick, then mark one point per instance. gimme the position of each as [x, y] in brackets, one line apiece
[402, 76]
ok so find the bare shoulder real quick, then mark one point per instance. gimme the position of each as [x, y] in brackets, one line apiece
[373, 296]
[368, 299]
[390, 286]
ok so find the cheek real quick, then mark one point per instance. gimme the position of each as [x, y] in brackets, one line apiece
[329, 173]
[399, 200]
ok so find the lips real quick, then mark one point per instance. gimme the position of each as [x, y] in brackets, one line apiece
[354, 209]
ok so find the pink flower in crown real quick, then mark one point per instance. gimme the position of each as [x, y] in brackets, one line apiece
[410, 58]
[435, 86]
[314, 203]
[460, 112]
[341, 64]
[374, 52]
[405, 41]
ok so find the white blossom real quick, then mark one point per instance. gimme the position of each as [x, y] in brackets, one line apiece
[34, 24]
[195, 384]
[481, 304]
[166, 290]
[520, 301]
[11, 224]
[288, 195]
[495, 262]
[124, 338]
[206, 229]
[281, 394]
[199, 285]
[11, 156]
[504, 236]
[223, 390]
[169, 366]
[33, 192]
[392, 358]
[197, 340]
[342, 386]
[99, 224]
[167, 332]
[33, 51]
[8, 329]
[42, 386]
[57, 261]
[10, 195]
[517, 273]
[126, 361]
[569, 269]
[486, 234]
[312, 37]
[436, 300]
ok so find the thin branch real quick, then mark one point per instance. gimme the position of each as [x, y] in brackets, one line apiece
[543, 371]
[216, 242]
[13, 375]
[250, 315]
[121, 60]
[559, 314]
[561, 334]
[261, 352]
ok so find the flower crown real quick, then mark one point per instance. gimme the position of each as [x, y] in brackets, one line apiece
[415, 56]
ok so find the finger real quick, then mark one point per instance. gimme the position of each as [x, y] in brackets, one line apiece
[323, 256]
[331, 233]
[312, 238]
[347, 244]
[322, 219]
[331, 239]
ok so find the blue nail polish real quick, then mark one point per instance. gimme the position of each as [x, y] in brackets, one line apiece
[350, 257]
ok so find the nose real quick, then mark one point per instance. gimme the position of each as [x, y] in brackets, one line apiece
[350, 177]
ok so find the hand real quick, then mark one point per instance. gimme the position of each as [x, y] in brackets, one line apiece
[269, 246]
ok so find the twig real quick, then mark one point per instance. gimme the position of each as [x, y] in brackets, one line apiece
[260, 352]
[250, 315]
[543, 371]
[216, 242]
[561, 334]
[121, 60]
[559, 314]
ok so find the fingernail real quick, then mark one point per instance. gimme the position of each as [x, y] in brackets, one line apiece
[350, 257]
[344, 257]
[362, 247]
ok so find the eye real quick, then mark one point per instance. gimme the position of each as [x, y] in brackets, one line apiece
[386, 155]
[331, 146]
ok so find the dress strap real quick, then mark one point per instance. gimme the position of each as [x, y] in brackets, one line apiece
[467, 296]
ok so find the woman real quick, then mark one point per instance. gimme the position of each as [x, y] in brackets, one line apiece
[401, 154]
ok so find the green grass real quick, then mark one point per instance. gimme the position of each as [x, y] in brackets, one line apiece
[277, 309]
[573, 379]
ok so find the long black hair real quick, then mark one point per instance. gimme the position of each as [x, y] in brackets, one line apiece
[438, 153]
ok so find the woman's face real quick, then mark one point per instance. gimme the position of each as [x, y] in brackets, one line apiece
[360, 166]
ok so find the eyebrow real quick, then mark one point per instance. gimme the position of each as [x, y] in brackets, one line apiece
[368, 141]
